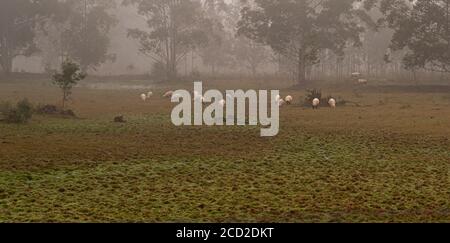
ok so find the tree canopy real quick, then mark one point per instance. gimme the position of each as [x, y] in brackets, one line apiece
[422, 28]
[174, 28]
[300, 29]
[18, 18]
[85, 32]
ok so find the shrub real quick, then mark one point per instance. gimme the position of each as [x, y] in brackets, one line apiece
[317, 94]
[21, 113]
[24, 110]
[312, 94]
[341, 101]
[53, 110]
[5, 107]
[47, 110]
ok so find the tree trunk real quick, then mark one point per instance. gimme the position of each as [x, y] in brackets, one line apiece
[173, 67]
[6, 59]
[64, 98]
[7, 64]
[173, 32]
[301, 70]
[171, 60]
[309, 72]
[254, 71]
[172, 71]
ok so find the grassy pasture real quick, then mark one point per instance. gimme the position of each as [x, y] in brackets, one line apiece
[386, 159]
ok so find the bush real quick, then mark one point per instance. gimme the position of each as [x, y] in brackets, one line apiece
[317, 94]
[24, 110]
[47, 110]
[4, 107]
[21, 113]
[54, 110]
[341, 101]
[312, 94]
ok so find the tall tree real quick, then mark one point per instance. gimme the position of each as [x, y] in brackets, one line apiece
[217, 51]
[251, 54]
[422, 28]
[174, 29]
[300, 29]
[18, 19]
[85, 38]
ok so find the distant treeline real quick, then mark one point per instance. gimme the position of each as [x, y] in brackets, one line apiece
[300, 40]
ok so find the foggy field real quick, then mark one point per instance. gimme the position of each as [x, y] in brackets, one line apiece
[347, 106]
[385, 157]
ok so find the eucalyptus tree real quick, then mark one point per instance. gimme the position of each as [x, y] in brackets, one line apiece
[300, 29]
[422, 30]
[175, 27]
[18, 19]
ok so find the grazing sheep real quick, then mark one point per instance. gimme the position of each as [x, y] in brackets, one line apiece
[281, 102]
[362, 81]
[289, 99]
[143, 97]
[332, 103]
[168, 94]
[149, 94]
[315, 103]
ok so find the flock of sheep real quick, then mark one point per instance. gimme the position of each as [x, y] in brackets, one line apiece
[356, 76]
[144, 97]
[281, 102]
[315, 103]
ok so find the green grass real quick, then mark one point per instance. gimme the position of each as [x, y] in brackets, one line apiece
[320, 177]
[380, 162]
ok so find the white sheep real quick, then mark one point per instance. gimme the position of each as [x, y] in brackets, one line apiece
[289, 99]
[168, 94]
[315, 103]
[332, 103]
[149, 94]
[143, 97]
[281, 102]
[362, 81]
